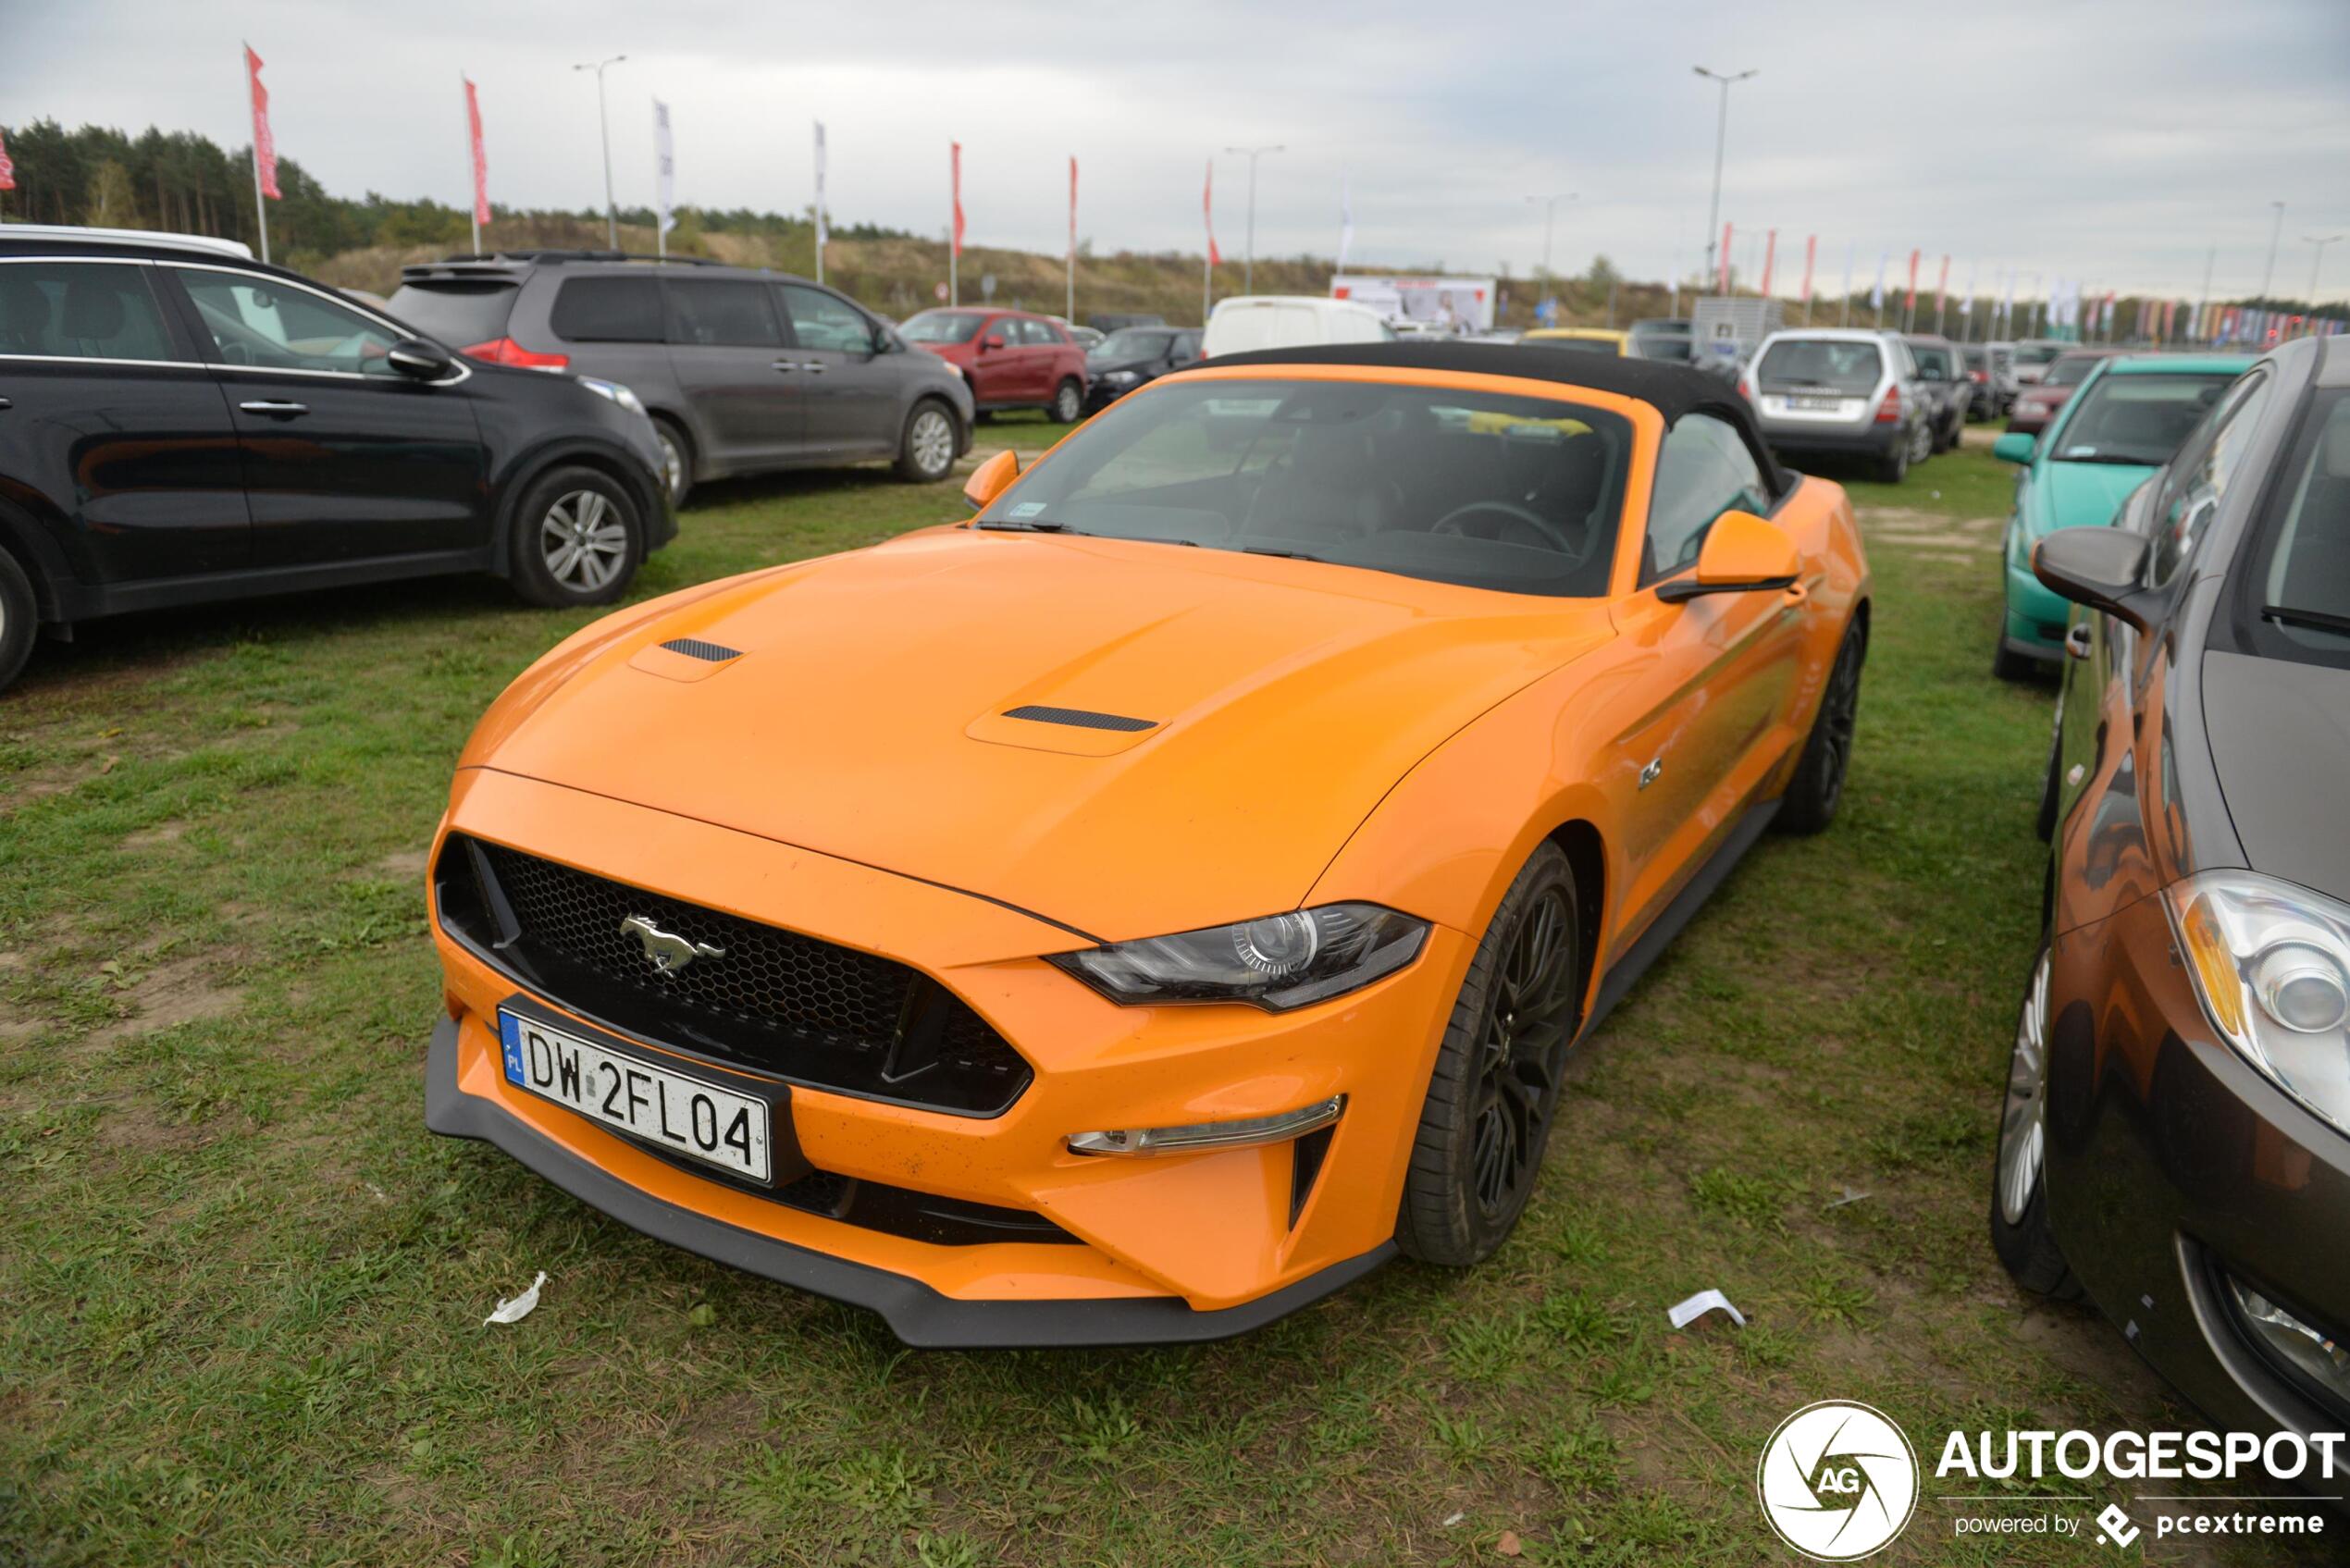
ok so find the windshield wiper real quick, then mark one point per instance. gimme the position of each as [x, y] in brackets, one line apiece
[1285, 554]
[2317, 620]
[1036, 528]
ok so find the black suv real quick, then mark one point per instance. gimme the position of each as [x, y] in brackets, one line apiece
[743, 371]
[1133, 355]
[179, 423]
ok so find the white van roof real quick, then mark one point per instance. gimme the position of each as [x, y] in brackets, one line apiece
[1289, 321]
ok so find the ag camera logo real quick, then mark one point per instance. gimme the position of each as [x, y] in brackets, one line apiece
[1837, 1480]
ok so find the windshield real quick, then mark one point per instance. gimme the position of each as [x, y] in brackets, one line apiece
[1977, 359]
[2036, 353]
[942, 325]
[1131, 342]
[2303, 578]
[461, 314]
[1580, 345]
[1934, 363]
[1511, 493]
[2138, 419]
[2069, 371]
[1841, 364]
[1661, 345]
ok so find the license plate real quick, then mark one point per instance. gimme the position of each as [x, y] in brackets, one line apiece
[1814, 406]
[676, 1111]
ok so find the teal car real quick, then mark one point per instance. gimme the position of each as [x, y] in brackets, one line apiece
[2109, 436]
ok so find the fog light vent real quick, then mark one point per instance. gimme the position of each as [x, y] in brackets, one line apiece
[1247, 1133]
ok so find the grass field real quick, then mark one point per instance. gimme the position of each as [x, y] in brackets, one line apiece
[246, 1288]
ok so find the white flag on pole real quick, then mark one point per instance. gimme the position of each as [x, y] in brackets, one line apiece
[1876, 294]
[821, 235]
[1966, 305]
[664, 167]
[1345, 221]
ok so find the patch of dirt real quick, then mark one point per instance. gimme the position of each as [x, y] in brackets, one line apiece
[404, 865]
[179, 991]
[1902, 527]
[157, 837]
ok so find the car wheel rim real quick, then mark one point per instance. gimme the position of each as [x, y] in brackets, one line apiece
[2023, 1123]
[1840, 716]
[672, 465]
[583, 540]
[1520, 1040]
[934, 442]
[1065, 404]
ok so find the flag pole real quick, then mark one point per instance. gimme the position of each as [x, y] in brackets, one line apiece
[260, 207]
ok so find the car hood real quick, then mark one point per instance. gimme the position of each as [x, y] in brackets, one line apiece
[866, 716]
[1107, 366]
[2068, 495]
[2281, 742]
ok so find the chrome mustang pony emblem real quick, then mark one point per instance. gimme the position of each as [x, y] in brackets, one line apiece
[667, 951]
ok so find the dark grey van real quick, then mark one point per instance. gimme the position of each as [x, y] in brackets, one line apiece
[743, 371]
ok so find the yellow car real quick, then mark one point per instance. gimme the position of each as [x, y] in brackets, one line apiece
[1581, 340]
[1136, 911]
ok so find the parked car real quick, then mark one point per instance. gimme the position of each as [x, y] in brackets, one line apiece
[1107, 322]
[1133, 356]
[1084, 336]
[2034, 355]
[743, 371]
[2175, 1139]
[1990, 370]
[1342, 662]
[1011, 358]
[1663, 338]
[1289, 321]
[2123, 422]
[1943, 371]
[1839, 392]
[2037, 403]
[1579, 340]
[179, 425]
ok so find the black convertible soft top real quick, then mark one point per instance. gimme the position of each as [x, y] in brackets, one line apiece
[1672, 388]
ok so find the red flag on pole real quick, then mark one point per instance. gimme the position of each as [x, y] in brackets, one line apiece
[1911, 302]
[264, 146]
[1208, 213]
[8, 170]
[1722, 279]
[481, 162]
[1770, 255]
[1942, 287]
[956, 165]
[1810, 250]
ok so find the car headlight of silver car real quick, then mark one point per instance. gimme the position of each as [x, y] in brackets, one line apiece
[1277, 962]
[615, 392]
[2271, 963]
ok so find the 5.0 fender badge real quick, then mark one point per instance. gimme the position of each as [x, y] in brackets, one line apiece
[667, 951]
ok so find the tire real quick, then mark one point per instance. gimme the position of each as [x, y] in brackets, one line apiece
[578, 539]
[19, 619]
[2020, 1233]
[1817, 788]
[1894, 466]
[1922, 441]
[677, 458]
[1069, 403]
[1496, 1085]
[926, 447]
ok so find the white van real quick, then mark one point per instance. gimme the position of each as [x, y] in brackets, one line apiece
[1289, 321]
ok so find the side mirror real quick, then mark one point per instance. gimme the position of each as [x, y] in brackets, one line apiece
[1742, 554]
[991, 479]
[991, 340]
[2100, 567]
[418, 360]
[2015, 447]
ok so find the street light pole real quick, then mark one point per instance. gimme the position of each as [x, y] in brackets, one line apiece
[2321, 241]
[1721, 139]
[2269, 273]
[603, 119]
[1248, 267]
[1550, 212]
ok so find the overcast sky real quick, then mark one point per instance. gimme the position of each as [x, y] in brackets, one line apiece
[2112, 143]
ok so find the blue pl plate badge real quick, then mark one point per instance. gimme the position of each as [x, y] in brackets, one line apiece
[510, 1036]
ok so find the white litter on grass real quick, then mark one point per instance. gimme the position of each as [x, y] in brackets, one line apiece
[1697, 1307]
[1850, 1197]
[1453, 1520]
[520, 1307]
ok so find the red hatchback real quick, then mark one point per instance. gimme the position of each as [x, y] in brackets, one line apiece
[2037, 404]
[1010, 358]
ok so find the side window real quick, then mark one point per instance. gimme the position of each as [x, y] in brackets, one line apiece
[607, 310]
[273, 325]
[1186, 348]
[1702, 470]
[722, 316]
[80, 310]
[1041, 335]
[2198, 480]
[825, 321]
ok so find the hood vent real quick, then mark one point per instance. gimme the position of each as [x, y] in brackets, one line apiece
[717, 653]
[1079, 718]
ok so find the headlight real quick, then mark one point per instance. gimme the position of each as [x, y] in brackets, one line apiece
[1119, 378]
[2271, 964]
[613, 391]
[1277, 962]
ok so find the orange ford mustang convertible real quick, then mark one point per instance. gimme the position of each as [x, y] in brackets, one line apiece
[1136, 912]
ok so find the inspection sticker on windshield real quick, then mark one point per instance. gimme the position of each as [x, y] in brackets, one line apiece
[1026, 508]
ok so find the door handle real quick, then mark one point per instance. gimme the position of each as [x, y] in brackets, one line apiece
[2076, 641]
[6, 405]
[813, 366]
[274, 407]
[786, 364]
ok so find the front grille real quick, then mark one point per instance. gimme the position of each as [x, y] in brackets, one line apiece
[770, 999]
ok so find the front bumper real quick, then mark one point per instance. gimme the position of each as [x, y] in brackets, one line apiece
[2173, 1166]
[1171, 1247]
[2035, 616]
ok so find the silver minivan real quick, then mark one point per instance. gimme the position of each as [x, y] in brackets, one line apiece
[1840, 392]
[743, 371]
